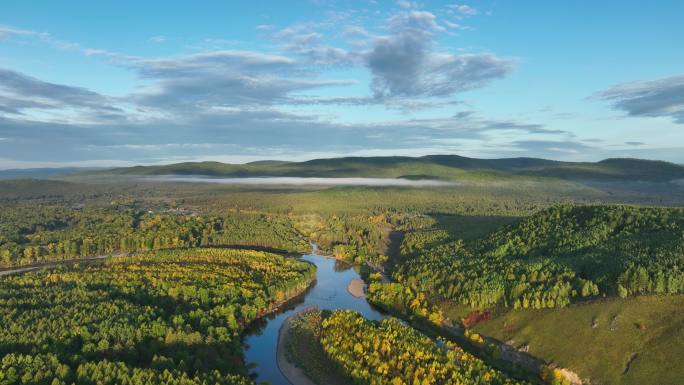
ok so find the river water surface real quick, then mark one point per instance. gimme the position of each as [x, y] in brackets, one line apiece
[328, 293]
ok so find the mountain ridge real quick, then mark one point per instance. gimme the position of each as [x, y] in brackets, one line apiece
[429, 166]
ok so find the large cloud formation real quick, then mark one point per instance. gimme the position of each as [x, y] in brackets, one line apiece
[405, 64]
[241, 102]
[653, 98]
[19, 92]
[223, 78]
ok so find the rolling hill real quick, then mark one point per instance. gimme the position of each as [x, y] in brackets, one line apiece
[426, 167]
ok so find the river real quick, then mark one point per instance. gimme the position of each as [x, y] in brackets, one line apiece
[328, 293]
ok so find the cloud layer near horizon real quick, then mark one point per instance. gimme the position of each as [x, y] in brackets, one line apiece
[236, 105]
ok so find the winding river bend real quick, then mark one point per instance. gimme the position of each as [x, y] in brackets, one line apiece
[329, 292]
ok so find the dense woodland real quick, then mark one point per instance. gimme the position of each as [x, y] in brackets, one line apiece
[352, 238]
[391, 353]
[47, 233]
[170, 317]
[175, 316]
[304, 349]
[400, 299]
[549, 259]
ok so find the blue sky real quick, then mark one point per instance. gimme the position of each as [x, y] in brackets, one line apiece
[100, 83]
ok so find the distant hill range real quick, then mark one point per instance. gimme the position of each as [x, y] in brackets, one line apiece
[445, 167]
[41, 172]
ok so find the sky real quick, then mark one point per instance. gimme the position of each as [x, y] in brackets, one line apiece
[118, 83]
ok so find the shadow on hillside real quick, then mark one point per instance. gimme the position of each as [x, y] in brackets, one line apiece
[471, 227]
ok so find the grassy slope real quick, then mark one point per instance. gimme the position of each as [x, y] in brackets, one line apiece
[435, 166]
[602, 353]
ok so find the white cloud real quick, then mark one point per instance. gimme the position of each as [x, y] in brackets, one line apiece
[9, 32]
[463, 9]
[404, 4]
[157, 39]
[6, 164]
[405, 63]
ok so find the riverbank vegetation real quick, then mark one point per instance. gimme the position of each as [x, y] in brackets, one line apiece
[342, 347]
[162, 317]
[395, 297]
[388, 352]
[351, 238]
[304, 349]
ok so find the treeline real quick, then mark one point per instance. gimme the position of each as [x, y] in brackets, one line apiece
[388, 352]
[46, 233]
[552, 258]
[47, 370]
[171, 317]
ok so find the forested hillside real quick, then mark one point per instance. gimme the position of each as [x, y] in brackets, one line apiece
[638, 249]
[552, 258]
[171, 317]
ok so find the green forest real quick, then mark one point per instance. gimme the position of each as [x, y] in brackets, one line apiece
[552, 258]
[187, 268]
[169, 317]
[48, 233]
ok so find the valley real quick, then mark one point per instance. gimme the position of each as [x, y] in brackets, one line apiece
[335, 192]
[514, 279]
